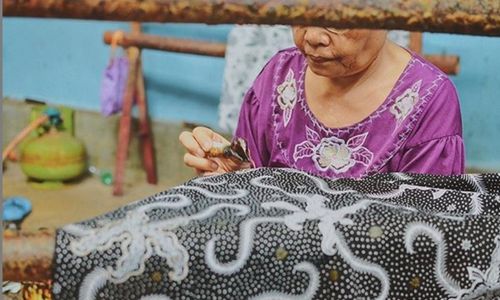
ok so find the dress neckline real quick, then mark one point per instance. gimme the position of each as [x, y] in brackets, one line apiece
[395, 91]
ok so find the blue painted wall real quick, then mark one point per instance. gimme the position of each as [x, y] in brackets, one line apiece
[61, 61]
[478, 84]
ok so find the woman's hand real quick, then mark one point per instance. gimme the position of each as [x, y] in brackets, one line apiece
[198, 144]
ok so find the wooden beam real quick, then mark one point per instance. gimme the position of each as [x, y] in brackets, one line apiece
[478, 17]
[448, 64]
[147, 41]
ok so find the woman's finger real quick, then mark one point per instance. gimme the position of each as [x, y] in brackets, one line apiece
[199, 163]
[187, 139]
[204, 137]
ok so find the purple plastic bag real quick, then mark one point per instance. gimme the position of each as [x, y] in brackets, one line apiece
[113, 85]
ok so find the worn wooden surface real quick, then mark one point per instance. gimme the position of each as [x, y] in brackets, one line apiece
[479, 17]
[28, 256]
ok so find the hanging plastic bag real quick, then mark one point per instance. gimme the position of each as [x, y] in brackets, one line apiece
[114, 80]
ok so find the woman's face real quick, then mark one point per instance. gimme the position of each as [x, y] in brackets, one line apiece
[338, 53]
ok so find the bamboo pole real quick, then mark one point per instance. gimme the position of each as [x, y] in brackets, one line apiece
[478, 17]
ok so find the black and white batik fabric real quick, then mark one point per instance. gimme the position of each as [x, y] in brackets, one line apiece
[267, 234]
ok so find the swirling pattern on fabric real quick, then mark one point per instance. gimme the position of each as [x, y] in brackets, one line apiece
[284, 234]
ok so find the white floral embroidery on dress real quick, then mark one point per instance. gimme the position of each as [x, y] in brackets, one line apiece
[405, 102]
[287, 96]
[333, 153]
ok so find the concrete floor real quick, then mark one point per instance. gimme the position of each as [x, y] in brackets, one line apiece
[74, 202]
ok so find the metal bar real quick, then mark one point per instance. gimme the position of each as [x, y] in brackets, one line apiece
[168, 44]
[28, 256]
[479, 17]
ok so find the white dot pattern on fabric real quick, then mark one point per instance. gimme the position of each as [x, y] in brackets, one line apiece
[268, 234]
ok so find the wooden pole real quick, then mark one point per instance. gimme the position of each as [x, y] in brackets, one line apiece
[125, 122]
[416, 40]
[147, 41]
[24, 133]
[479, 17]
[449, 64]
[145, 134]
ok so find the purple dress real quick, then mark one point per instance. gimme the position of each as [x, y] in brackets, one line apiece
[417, 129]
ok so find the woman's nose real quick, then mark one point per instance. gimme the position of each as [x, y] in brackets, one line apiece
[316, 37]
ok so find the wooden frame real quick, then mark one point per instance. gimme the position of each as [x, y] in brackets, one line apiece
[479, 17]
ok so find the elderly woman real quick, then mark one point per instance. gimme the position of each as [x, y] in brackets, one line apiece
[343, 103]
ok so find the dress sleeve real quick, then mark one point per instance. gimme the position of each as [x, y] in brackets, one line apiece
[443, 156]
[253, 127]
[436, 146]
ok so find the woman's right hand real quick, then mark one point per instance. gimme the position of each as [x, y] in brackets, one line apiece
[198, 143]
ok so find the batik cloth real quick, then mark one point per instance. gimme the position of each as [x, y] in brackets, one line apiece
[417, 129]
[284, 234]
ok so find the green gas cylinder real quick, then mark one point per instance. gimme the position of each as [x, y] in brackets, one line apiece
[53, 156]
